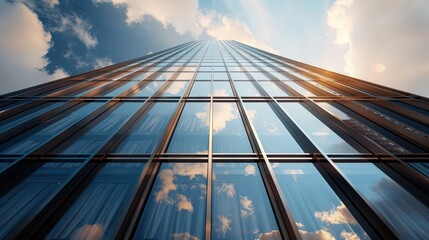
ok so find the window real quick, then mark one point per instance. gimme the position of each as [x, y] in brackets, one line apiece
[246, 89]
[273, 134]
[144, 136]
[148, 90]
[314, 205]
[405, 213]
[176, 89]
[229, 135]
[222, 89]
[317, 131]
[201, 89]
[241, 209]
[100, 207]
[191, 133]
[176, 207]
[274, 90]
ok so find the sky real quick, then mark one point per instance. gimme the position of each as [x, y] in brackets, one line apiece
[382, 43]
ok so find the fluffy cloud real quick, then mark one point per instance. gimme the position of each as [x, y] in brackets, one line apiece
[349, 236]
[339, 215]
[183, 203]
[23, 44]
[227, 188]
[187, 17]
[224, 224]
[273, 235]
[317, 235]
[167, 185]
[246, 205]
[102, 62]
[250, 170]
[387, 47]
[190, 170]
[78, 26]
[222, 113]
[184, 236]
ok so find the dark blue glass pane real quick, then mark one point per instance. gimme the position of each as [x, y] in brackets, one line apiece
[241, 209]
[97, 212]
[404, 212]
[229, 135]
[273, 134]
[99, 134]
[35, 137]
[146, 133]
[31, 193]
[191, 133]
[315, 207]
[148, 90]
[177, 204]
[176, 89]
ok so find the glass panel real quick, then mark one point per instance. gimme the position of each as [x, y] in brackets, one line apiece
[229, 135]
[405, 213]
[31, 193]
[27, 115]
[148, 131]
[259, 76]
[118, 90]
[98, 135]
[185, 76]
[241, 208]
[204, 76]
[238, 76]
[97, 212]
[272, 89]
[220, 76]
[201, 89]
[177, 204]
[148, 90]
[176, 89]
[35, 137]
[300, 89]
[273, 134]
[315, 207]
[191, 133]
[317, 131]
[222, 89]
[246, 89]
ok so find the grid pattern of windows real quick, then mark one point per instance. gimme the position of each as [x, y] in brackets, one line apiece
[213, 140]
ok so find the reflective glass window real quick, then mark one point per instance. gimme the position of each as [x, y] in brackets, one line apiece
[273, 134]
[35, 137]
[274, 90]
[144, 136]
[241, 209]
[31, 193]
[148, 90]
[300, 89]
[97, 136]
[404, 212]
[229, 135]
[204, 76]
[119, 90]
[238, 76]
[259, 76]
[315, 207]
[176, 89]
[177, 204]
[164, 76]
[27, 115]
[185, 76]
[100, 207]
[191, 133]
[222, 89]
[317, 131]
[201, 89]
[246, 89]
[220, 76]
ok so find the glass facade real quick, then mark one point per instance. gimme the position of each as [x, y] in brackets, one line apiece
[213, 140]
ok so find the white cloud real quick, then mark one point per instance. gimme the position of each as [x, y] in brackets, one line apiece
[184, 236]
[339, 215]
[273, 235]
[23, 44]
[349, 235]
[224, 223]
[190, 170]
[167, 185]
[93, 231]
[80, 28]
[184, 203]
[222, 113]
[227, 188]
[250, 170]
[102, 62]
[387, 46]
[187, 17]
[247, 208]
[317, 235]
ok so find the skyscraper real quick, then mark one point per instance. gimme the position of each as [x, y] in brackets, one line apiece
[213, 140]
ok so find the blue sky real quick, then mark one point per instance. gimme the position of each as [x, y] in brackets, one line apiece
[48, 39]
